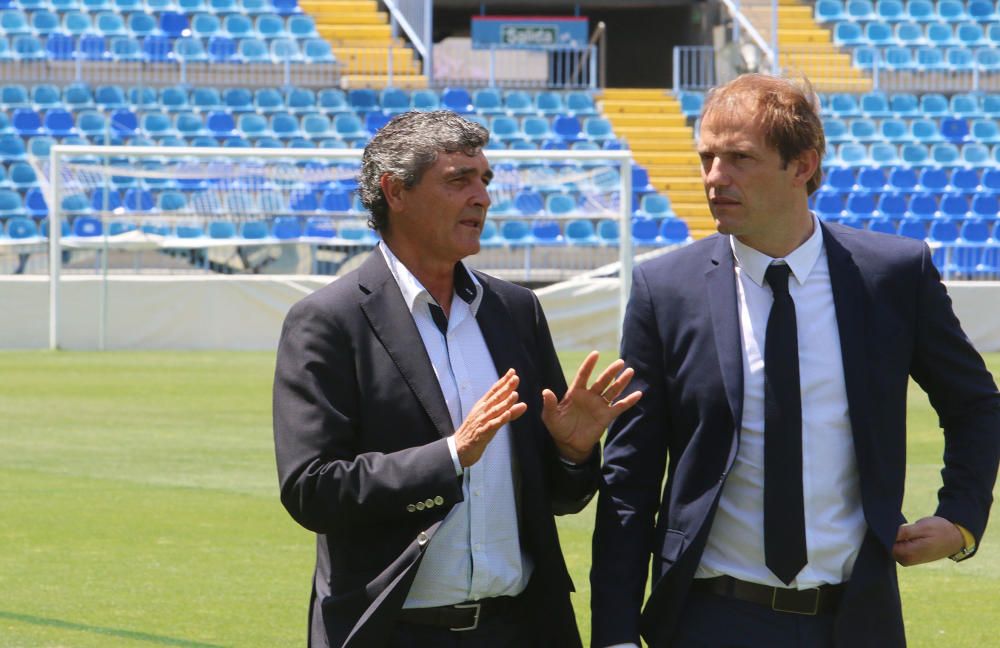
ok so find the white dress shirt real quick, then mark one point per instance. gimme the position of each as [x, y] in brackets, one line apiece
[835, 524]
[476, 552]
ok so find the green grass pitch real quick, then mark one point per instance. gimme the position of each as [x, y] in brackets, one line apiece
[138, 507]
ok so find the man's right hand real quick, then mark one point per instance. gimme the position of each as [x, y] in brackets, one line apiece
[498, 407]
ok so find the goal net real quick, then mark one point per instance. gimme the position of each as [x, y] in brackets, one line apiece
[554, 214]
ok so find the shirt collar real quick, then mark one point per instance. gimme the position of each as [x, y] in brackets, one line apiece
[801, 260]
[467, 286]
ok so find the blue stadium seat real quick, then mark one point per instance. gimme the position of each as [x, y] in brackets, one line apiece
[332, 100]
[60, 47]
[970, 35]
[945, 154]
[841, 179]
[975, 155]
[549, 103]
[237, 100]
[26, 47]
[519, 102]
[898, 58]
[124, 122]
[930, 58]
[882, 225]
[394, 101]
[425, 100]
[316, 126]
[20, 227]
[608, 232]
[349, 128]
[982, 11]
[221, 49]
[60, 123]
[125, 49]
[829, 11]
[363, 100]
[890, 10]
[580, 104]
[270, 26]
[985, 206]
[14, 22]
[224, 6]
[581, 232]
[34, 203]
[951, 10]
[536, 128]
[300, 100]
[221, 125]
[173, 24]
[879, 33]
[674, 231]
[190, 50]
[965, 105]
[78, 96]
[894, 130]
[909, 34]
[844, 105]
[916, 155]
[923, 206]
[302, 26]
[866, 57]
[286, 50]
[566, 128]
[893, 205]
[955, 130]
[457, 100]
[285, 126]
[487, 101]
[934, 179]
[835, 130]
[959, 59]
[965, 180]
[859, 10]
[953, 205]
[252, 50]
[988, 59]
[27, 122]
[317, 50]
[872, 179]
[22, 176]
[912, 228]
[319, 226]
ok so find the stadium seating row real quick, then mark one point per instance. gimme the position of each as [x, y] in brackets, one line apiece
[920, 206]
[856, 154]
[161, 49]
[909, 180]
[249, 7]
[512, 233]
[141, 23]
[928, 58]
[485, 101]
[915, 10]
[913, 34]
[900, 131]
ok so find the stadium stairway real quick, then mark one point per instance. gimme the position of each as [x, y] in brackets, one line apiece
[807, 47]
[656, 130]
[362, 40]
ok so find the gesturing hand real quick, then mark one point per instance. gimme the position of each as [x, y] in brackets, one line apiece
[498, 406]
[577, 422]
[926, 540]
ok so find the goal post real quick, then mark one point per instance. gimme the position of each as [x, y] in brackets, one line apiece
[172, 195]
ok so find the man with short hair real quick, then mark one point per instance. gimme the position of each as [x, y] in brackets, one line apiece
[423, 428]
[775, 359]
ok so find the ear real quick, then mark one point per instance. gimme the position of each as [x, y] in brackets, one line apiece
[805, 166]
[393, 189]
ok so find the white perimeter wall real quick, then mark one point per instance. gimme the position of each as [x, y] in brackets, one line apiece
[246, 312]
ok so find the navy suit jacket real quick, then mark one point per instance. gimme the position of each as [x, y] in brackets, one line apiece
[682, 336]
[360, 426]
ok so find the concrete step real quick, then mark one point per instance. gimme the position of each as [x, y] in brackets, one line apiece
[379, 81]
[688, 157]
[634, 94]
[619, 120]
[658, 144]
[677, 183]
[349, 6]
[327, 17]
[380, 33]
[658, 131]
[633, 106]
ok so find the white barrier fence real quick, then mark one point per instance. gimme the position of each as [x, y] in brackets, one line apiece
[246, 312]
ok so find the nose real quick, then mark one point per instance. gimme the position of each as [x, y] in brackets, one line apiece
[481, 197]
[715, 175]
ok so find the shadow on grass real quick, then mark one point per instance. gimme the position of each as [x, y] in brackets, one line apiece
[110, 632]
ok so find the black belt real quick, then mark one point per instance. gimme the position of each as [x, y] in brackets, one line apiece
[460, 617]
[820, 600]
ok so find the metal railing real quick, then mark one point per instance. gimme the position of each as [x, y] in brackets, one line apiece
[416, 19]
[694, 67]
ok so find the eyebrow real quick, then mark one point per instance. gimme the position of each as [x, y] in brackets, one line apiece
[470, 170]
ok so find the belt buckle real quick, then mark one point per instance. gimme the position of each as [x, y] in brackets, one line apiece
[475, 619]
[780, 606]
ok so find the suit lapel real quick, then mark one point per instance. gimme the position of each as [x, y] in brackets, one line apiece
[393, 325]
[848, 299]
[722, 301]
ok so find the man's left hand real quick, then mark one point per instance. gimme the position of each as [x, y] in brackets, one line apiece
[926, 540]
[577, 421]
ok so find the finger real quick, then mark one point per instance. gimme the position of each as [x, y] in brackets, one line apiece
[583, 373]
[615, 389]
[607, 376]
[500, 384]
[500, 391]
[626, 402]
[517, 411]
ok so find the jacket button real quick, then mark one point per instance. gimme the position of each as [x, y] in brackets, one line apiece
[422, 539]
[429, 503]
[439, 500]
[410, 508]
[420, 506]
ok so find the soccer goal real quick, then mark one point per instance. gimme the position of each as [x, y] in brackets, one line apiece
[555, 214]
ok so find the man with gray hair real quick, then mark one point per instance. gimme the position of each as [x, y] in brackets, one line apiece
[423, 427]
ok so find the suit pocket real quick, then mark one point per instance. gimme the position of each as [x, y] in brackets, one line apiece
[673, 543]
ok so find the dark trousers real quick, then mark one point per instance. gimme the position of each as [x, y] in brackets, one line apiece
[509, 630]
[711, 621]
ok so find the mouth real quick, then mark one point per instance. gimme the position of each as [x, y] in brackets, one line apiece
[475, 223]
[723, 201]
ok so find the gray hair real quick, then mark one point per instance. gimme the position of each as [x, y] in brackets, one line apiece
[406, 147]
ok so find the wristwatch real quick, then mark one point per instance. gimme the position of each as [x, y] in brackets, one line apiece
[968, 549]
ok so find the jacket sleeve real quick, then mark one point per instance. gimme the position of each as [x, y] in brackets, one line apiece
[964, 395]
[572, 487]
[635, 455]
[326, 480]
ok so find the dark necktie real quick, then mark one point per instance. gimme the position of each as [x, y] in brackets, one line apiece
[784, 515]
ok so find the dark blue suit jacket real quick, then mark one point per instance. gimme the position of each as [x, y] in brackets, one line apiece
[682, 336]
[359, 427]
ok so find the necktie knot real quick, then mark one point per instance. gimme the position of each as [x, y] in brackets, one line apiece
[776, 277]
